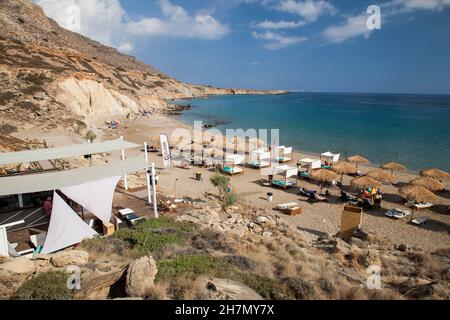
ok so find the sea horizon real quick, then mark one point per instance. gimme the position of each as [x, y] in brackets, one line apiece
[411, 120]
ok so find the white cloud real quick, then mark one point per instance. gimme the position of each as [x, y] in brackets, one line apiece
[267, 24]
[106, 21]
[310, 10]
[178, 22]
[125, 47]
[98, 19]
[276, 40]
[354, 26]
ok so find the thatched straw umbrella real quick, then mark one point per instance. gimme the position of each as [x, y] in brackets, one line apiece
[364, 182]
[417, 194]
[323, 175]
[428, 183]
[357, 159]
[343, 168]
[435, 173]
[381, 175]
[393, 166]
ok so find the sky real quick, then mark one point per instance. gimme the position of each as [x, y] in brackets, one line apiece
[305, 45]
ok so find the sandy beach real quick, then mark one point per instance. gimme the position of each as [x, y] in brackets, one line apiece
[318, 218]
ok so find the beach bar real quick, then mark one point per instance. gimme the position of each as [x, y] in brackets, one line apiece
[92, 188]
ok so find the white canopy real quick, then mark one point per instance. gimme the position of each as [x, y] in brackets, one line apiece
[285, 150]
[331, 157]
[66, 227]
[235, 158]
[64, 152]
[310, 163]
[95, 196]
[260, 155]
[286, 170]
[30, 183]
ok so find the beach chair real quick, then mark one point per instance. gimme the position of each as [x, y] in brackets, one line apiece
[347, 197]
[305, 192]
[419, 221]
[314, 197]
[397, 213]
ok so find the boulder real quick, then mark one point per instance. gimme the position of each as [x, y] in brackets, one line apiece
[18, 266]
[224, 289]
[140, 276]
[72, 257]
[98, 287]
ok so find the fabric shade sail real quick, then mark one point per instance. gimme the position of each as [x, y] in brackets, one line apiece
[96, 196]
[61, 179]
[66, 227]
[65, 152]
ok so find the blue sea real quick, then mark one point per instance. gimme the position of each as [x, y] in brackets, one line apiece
[410, 129]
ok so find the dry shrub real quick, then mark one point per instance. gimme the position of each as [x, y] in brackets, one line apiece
[241, 262]
[157, 292]
[443, 252]
[300, 289]
[209, 239]
[179, 289]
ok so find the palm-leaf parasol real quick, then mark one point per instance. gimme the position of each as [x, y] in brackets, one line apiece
[428, 183]
[343, 168]
[435, 173]
[364, 182]
[323, 175]
[393, 166]
[357, 159]
[381, 175]
[417, 194]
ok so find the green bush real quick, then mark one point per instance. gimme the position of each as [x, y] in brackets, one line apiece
[220, 182]
[90, 135]
[190, 267]
[154, 235]
[51, 285]
[230, 198]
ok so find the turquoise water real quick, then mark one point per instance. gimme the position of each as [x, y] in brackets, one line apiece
[410, 129]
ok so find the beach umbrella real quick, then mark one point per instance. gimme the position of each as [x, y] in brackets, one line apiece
[393, 166]
[435, 173]
[381, 175]
[428, 183]
[343, 168]
[364, 182]
[323, 175]
[357, 159]
[417, 194]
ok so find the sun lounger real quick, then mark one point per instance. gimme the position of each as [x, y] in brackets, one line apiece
[285, 206]
[419, 221]
[397, 213]
[283, 184]
[314, 197]
[232, 170]
[305, 192]
[423, 205]
[303, 175]
[347, 197]
[38, 241]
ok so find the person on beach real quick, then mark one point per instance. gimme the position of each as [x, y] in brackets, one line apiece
[48, 206]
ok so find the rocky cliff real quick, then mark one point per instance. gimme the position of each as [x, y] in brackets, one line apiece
[52, 77]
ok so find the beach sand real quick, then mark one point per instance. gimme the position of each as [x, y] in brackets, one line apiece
[317, 219]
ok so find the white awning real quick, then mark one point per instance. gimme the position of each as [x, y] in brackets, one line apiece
[96, 196]
[38, 182]
[66, 227]
[64, 152]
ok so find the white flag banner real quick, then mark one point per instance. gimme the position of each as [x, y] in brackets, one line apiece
[96, 196]
[165, 149]
[66, 227]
